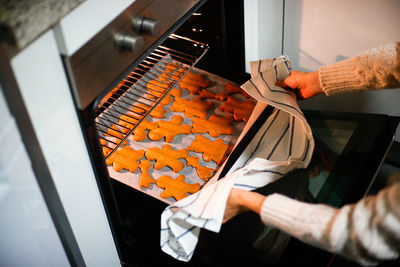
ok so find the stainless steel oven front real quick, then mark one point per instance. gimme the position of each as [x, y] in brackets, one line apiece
[124, 74]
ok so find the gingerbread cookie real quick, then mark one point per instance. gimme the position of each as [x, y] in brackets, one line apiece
[139, 134]
[166, 100]
[194, 107]
[194, 82]
[177, 188]
[125, 158]
[221, 96]
[203, 172]
[206, 94]
[145, 178]
[232, 88]
[158, 112]
[167, 156]
[215, 125]
[240, 110]
[212, 150]
[176, 92]
[169, 129]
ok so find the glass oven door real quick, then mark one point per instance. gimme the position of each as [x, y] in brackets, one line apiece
[348, 152]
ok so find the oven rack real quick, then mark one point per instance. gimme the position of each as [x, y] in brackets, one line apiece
[139, 92]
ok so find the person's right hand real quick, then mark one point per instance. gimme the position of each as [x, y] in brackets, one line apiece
[304, 84]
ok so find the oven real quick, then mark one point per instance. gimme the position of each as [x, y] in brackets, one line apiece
[130, 69]
[133, 68]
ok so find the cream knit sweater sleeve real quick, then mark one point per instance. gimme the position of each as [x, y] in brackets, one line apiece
[367, 232]
[374, 69]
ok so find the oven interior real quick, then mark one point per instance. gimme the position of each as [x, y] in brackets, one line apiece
[211, 37]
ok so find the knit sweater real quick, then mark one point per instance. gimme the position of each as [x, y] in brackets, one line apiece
[373, 69]
[369, 230]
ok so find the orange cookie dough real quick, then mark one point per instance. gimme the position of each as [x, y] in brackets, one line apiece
[125, 158]
[221, 96]
[145, 178]
[195, 107]
[240, 110]
[206, 94]
[158, 112]
[215, 125]
[204, 172]
[231, 88]
[139, 134]
[194, 82]
[212, 150]
[169, 129]
[177, 188]
[167, 156]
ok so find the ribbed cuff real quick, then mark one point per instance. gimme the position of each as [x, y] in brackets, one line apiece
[339, 77]
[280, 212]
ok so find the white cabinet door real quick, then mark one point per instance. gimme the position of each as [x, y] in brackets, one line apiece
[43, 84]
[28, 235]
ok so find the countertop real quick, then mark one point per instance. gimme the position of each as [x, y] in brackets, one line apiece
[22, 21]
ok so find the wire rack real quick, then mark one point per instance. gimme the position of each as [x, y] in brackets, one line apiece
[137, 94]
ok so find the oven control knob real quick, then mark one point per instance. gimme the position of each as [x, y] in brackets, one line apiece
[146, 25]
[129, 42]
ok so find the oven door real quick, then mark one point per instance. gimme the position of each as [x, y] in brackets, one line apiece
[349, 150]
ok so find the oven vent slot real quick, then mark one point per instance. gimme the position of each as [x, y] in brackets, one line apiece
[138, 93]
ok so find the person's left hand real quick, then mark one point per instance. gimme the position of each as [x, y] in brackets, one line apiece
[233, 206]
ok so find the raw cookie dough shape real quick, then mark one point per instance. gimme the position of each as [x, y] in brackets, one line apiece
[125, 158]
[204, 172]
[177, 188]
[215, 125]
[195, 107]
[145, 178]
[206, 94]
[169, 129]
[231, 88]
[240, 110]
[167, 156]
[194, 82]
[139, 134]
[212, 150]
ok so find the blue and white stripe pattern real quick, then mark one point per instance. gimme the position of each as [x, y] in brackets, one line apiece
[283, 143]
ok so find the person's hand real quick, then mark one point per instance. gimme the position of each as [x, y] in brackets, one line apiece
[304, 84]
[240, 201]
[233, 206]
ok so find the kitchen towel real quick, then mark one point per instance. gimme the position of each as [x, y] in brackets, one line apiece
[283, 143]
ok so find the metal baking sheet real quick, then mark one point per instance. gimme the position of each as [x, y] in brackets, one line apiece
[179, 142]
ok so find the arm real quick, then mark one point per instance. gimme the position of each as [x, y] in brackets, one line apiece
[367, 232]
[374, 69]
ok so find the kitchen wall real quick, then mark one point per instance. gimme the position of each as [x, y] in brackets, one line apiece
[323, 32]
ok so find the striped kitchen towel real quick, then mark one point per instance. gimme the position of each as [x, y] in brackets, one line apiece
[284, 142]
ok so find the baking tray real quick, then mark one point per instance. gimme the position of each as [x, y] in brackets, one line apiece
[180, 141]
